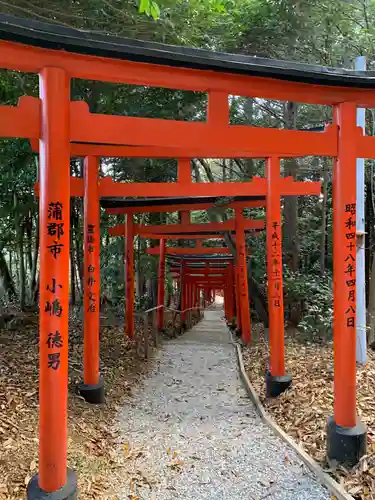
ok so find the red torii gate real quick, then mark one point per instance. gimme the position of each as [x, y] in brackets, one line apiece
[57, 122]
[188, 265]
[177, 231]
[212, 277]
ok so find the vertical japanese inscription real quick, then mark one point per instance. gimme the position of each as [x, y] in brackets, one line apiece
[52, 306]
[91, 269]
[350, 261]
[276, 264]
[242, 270]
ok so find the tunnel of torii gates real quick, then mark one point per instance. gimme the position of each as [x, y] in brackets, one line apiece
[63, 129]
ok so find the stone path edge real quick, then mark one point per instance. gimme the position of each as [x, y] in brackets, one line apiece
[332, 485]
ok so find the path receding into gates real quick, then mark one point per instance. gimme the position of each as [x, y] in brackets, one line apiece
[194, 434]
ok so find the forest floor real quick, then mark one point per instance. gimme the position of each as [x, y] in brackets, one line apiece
[303, 410]
[91, 434]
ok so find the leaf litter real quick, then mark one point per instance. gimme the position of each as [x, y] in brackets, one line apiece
[303, 410]
[92, 436]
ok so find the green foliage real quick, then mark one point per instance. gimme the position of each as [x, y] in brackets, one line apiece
[314, 292]
[150, 8]
[143, 302]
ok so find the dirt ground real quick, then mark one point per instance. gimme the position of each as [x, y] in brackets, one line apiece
[92, 438]
[304, 409]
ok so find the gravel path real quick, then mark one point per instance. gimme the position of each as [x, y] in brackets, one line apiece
[190, 431]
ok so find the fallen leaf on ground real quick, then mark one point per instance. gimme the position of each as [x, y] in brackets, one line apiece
[303, 410]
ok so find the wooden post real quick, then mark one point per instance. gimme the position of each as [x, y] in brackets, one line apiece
[346, 435]
[242, 277]
[161, 285]
[276, 380]
[54, 218]
[129, 274]
[155, 328]
[92, 388]
[145, 335]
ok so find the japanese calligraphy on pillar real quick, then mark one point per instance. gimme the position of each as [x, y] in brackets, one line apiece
[52, 306]
[92, 299]
[350, 263]
[276, 258]
[242, 264]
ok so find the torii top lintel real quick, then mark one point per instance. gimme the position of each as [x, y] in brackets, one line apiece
[139, 205]
[85, 54]
[81, 150]
[30, 46]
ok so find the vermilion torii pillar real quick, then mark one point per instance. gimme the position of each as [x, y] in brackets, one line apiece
[161, 285]
[233, 292]
[92, 388]
[276, 379]
[54, 217]
[346, 434]
[238, 299]
[242, 277]
[129, 276]
[183, 292]
[229, 295]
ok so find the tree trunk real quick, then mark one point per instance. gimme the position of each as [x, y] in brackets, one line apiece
[291, 241]
[20, 247]
[72, 278]
[20, 251]
[290, 228]
[78, 282]
[258, 295]
[34, 263]
[29, 237]
[371, 306]
[22, 268]
[35, 296]
[323, 230]
[6, 277]
[10, 263]
[370, 236]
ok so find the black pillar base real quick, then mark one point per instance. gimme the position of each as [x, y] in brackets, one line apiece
[93, 394]
[238, 332]
[277, 385]
[346, 445]
[67, 492]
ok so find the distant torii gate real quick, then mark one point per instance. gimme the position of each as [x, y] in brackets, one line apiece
[188, 264]
[179, 231]
[212, 277]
